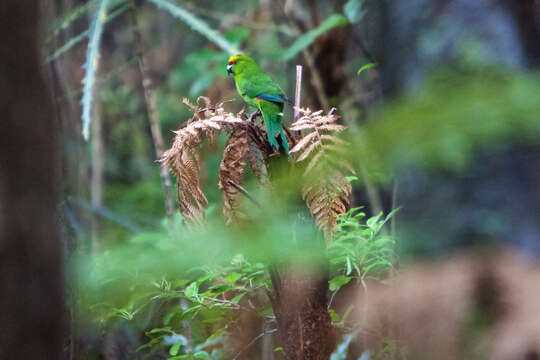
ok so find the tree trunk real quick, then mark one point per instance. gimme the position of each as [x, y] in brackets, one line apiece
[300, 303]
[31, 304]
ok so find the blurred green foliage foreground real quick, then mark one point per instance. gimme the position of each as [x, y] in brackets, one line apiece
[171, 279]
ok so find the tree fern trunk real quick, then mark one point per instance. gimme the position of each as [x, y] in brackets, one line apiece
[305, 330]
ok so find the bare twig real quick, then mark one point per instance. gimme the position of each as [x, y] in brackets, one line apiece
[297, 96]
[253, 341]
[151, 108]
[298, 92]
[243, 192]
[316, 79]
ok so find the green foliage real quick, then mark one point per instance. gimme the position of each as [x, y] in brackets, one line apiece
[200, 68]
[456, 115]
[365, 67]
[83, 35]
[306, 39]
[359, 248]
[354, 11]
[197, 25]
[64, 21]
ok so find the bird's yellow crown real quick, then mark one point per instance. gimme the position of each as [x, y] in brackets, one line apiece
[235, 58]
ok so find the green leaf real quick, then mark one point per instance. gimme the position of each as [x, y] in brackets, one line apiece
[365, 67]
[175, 348]
[334, 316]
[305, 40]
[279, 348]
[372, 221]
[167, 329]
[197, 25]
[337, 282]
[201, 355]
[233, 277]
[192, 290]
[237, 35]
[353, 10]
[237, 298]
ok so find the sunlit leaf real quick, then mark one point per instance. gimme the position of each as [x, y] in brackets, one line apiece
[365, 67]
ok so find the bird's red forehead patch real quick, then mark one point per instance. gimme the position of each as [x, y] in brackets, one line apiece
[232, 62]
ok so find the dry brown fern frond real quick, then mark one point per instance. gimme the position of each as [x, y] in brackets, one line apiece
[258, 153]
[183, 160]
[327, 197]
[231, 171]
[326, 190]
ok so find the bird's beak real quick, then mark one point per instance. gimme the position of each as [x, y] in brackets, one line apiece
[229, 69]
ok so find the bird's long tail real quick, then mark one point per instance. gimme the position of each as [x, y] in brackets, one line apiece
[273, 128]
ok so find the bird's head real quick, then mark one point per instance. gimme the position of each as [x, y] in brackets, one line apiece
[237, 64]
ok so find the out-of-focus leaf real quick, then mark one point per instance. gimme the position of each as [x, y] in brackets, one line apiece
[333, 21]
[342, 349]
[197, 25]
[237, 298]
[365, 67]
[192, 290]
[201, 355]
[78, 38]
[353, 10]
[175, 348]
[237, 35]
[337, 282]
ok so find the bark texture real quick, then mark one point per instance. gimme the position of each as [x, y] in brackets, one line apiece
[300, 303]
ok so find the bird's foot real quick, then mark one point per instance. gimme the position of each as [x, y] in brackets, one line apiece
[252, 117]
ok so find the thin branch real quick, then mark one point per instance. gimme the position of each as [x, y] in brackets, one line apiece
[253, 341]
[316, 79]
[243, 192]
[151, 108]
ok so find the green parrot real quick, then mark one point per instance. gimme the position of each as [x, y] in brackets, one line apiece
[259, 90]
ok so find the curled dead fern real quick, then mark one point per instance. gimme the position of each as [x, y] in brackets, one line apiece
[326, 189]
[231, 172]
[247, 144]
[183, 159]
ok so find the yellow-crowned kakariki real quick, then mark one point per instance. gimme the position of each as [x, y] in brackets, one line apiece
[258, 89]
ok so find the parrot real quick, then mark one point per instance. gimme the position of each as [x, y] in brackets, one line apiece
[259, 90]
